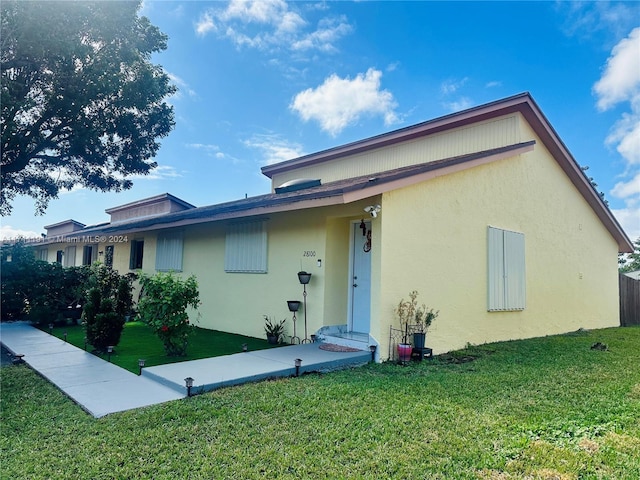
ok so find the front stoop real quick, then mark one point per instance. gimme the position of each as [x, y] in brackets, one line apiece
[339, 335]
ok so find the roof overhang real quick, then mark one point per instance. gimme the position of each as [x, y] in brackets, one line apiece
[335, 193]
[522, 103]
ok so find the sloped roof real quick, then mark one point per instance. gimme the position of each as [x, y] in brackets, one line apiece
[353, 189]
[522, 103]
[333, 193]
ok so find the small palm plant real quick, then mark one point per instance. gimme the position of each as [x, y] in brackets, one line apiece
[273, 329]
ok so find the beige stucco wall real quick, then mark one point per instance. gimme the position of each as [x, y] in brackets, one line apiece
[478, 137]
[434, 240]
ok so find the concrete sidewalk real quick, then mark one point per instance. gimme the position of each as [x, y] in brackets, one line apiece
[100, 387]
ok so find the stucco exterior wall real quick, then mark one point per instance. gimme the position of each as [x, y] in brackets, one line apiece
[236, 302]
[481, 136]
[434, 240]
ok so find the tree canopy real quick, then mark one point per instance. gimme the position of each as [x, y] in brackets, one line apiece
[82, 103]
[630, 262]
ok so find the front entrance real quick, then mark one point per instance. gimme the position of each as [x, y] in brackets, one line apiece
[360, 278]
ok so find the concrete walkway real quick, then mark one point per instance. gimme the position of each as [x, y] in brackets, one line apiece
[100, 387]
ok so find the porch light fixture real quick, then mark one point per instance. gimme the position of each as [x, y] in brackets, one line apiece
[110, 351]
[140, 365]
[372, 349]
[188, 383]
[373, 210]
[304, 278]
[319, 263]
[298, 363]
[294, 306]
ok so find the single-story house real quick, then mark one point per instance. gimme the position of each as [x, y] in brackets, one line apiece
[484, 212]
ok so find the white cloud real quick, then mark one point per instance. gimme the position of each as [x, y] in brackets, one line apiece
[627, 189]
[275, 149]
[209, 148]
[461, 104]
[265, 24]
[585, 18]
[340, 102]
[7, 232]
[620, 83]
[161, 172]
[621, 79]
[205, 24]
[626, 135]
[451, 86]
[493, 83]
[329, 31]
[182, 86]
[629, 219]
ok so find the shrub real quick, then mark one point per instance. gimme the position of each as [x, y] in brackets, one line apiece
[163, 304]
[36, 289]
[108, 301]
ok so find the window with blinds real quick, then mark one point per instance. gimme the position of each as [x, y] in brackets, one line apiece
[169, 252]
[69, 259]
[246, 248]
[506, 269]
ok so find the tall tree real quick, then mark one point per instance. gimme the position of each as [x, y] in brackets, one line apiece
[82, 104]
[630, 262]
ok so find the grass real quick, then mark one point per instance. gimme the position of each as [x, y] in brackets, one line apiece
[547, 408]
[139, 341]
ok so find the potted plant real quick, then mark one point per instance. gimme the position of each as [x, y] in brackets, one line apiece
[414, 317]
[273, 329]
[424, 317]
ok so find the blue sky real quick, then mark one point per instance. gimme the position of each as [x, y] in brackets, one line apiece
[266, 81]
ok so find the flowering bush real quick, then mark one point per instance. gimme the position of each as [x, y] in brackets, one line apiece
[163, 304]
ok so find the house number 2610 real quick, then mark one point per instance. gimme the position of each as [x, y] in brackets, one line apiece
[309, 253]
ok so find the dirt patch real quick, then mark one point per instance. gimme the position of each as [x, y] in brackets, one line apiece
[589, 445]
[449, 358]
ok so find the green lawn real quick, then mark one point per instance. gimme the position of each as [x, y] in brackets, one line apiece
[138, 341]
[548, 408]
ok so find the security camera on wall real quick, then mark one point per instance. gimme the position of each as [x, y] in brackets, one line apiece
[372, 210]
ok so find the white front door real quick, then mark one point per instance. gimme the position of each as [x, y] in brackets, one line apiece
[360, 282]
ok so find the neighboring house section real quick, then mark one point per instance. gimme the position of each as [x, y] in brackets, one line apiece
[484, 212]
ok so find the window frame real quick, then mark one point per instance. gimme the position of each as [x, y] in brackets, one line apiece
[246, 247]
[92, 256]
[136, 254]
[506, 270]
[169, 251]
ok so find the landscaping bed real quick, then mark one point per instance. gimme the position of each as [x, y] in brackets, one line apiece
[139, 341]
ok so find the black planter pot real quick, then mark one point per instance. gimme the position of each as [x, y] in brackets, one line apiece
[418, 340]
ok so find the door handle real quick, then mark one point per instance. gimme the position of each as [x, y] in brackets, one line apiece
[355, 284]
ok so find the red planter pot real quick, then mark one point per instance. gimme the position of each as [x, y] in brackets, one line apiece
[404, 352]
